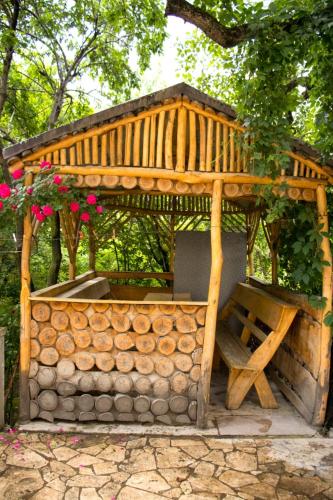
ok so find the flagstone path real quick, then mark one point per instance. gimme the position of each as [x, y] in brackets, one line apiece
[88, 467]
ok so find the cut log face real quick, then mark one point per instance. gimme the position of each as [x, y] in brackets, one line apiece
[146, 418]
[103, 403]
[110, 181]
[49, 356]
[123, 341]
[66, 404]
[145, 308]
[48, 400]
[100, 308]
[144, 364]
[120, 322]
[201, 316]
[33, 389]
[167, 309]
[105, 417]
[162, 325]
[34, 409]
[179, 383]
[65, 345]
[82, 338]
[78, 320]
[86, 402]
[161, 388]
[166, 345]
[186, 343]
[193, 392]
[123, 403]
[128, 182]
[84, 360]
[145, 343]
[104, 361]
[189, 309]
[146, 183]
[58, 306]
[47, 336]
[143, 385]
[103, 341]
[34, 329]
[103, 382]
[99, 322]
[59, 320]
[186, 324]
[164, 366]
[66, 389]
[41, 311]
[195, 373]
[120, 308]
[92, 180]
[183, 362]
[87, 416]
[86, 383]
[46, 376]
[178, 404]
[197, 356]
[192, 410]
[124, 362]
[33, 369]
[123, 384]
[80, 306]
[141, 404]
[34, 348]
[141, 323]
[164, 185]
[159, 407]
[46, 415]
[200, 335]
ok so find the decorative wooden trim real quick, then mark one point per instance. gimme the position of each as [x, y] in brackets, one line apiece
[213, 298]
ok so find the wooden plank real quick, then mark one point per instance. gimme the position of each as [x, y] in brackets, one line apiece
[304, 340]
[301, 379]
[168, 147]
[152, 145]
[192, 141]
[135, 275]
[120, 145]
[94, 147]
[202, 143]
[104, 151]
[91, 289]
[160, 137]
[145, 146]
[128, 144]
[87, 156]
[54, 290]
[136, 143]
[209, 148]
[290, 394]
[181, 139]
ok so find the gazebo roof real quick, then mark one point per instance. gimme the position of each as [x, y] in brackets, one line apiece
[134, 107]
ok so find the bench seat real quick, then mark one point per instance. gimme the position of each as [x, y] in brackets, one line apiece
[233, 352]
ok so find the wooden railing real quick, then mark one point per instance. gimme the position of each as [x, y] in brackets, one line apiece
[135, 275]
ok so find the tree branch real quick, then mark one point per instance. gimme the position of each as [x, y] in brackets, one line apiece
[225, 36]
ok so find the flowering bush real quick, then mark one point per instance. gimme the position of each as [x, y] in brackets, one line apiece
[49, 193]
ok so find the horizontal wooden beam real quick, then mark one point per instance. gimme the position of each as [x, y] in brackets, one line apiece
[125, 275]
[189, 177]
[53, 290]
[101, 301]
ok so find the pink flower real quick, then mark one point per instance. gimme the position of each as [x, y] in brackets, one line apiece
[40, 217]
[63, 189]
[99, 209]
[47, 210]
[74, 206]
[35, 209]
[30, 190]
[13, 207]
[57, 179]
[1, 205]
[85, 217]
[91, 199]
[4, 191]
[45, 164]
[17, 174]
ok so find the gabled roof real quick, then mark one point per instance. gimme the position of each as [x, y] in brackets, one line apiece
[135, 106]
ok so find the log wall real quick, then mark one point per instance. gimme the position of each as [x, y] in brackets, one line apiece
[296, 366]
[115, 361]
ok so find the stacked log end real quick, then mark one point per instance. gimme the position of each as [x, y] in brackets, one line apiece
[116, 362]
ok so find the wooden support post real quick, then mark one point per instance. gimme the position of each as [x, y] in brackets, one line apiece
[92, 248]
[326, 335]
[213, 300]
[2, 377]
[25, 314]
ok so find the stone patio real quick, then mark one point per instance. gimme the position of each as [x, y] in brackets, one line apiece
[88, 467]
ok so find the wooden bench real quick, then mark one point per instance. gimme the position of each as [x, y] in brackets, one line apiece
[95, 288]
[246, 367]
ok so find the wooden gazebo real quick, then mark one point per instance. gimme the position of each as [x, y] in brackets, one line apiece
[91, 351]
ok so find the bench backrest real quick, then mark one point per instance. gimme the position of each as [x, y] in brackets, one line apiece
[95, 288]
[272, 311]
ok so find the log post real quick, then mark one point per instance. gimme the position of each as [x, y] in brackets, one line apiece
[326, 338]
[25, 314]
[213, 300]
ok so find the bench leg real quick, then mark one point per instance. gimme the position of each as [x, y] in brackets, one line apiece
[239, 385]
[264, 391]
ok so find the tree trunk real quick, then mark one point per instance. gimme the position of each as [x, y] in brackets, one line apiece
[56, 252]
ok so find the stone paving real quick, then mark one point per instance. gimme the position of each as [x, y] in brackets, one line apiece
[87, 467]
